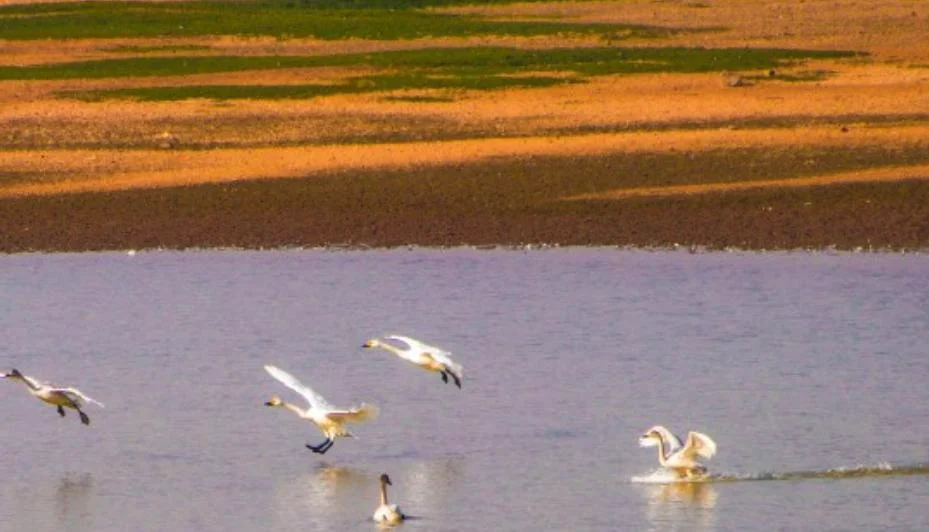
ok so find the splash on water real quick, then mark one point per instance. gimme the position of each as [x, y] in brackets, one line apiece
[660, 476]
[883, 469]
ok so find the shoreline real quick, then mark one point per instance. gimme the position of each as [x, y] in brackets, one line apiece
[510, 248]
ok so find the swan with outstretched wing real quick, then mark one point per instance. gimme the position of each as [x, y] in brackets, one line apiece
[330, 420]
[427, 357]
[56, 396]
[680, 457]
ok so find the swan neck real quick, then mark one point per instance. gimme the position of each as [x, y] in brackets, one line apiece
[662, 459]
[32, 385]
[392, 348]
[383, 493]
[293, 408]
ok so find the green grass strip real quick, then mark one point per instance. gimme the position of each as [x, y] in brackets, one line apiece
[301, 92]
[323, 20]
[475, 61]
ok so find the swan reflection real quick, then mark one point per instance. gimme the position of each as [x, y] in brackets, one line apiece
[72, 498]
[429, 486]
[684, 505]
[323, 496]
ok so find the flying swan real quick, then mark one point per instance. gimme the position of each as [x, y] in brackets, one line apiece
[682, 458]
[329, 419]
[428, 357]
[388, 514]
[59, 397]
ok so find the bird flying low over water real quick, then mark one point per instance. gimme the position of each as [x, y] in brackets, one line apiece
[330, 420]
[681, 458]
[428, 357]
[387, 514]
[59, 397]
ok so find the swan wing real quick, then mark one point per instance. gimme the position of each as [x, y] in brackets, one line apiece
[671, 440]
[700, 444]
[409, 351]
[315, 400]
[79, 394]
[440, 355]
[364, 412]
[389, 513]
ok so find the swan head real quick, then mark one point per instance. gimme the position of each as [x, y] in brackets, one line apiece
[386, 480]
[650, 438]
[371, 343]
[13, 374]
[274, 401]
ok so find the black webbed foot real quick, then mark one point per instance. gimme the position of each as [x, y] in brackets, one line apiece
[321, 448]
[84, 419]
[457, 381]
[61, 411]
[444, 377]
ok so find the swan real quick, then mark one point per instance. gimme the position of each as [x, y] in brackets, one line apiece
[55, 396]
[681, 458]
[388, 514]
[329, 419]
[423, 355]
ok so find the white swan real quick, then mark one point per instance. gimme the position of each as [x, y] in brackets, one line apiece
[681, 458]
[330, 420]
[388, 514]
[428, 357]
[55, 396]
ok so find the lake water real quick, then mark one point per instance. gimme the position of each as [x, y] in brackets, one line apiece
[809, 370]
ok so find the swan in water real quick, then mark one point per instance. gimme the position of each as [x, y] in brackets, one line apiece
[681, 458]
[388, 514]
[55, 396]
[428, 357]
[329, 419]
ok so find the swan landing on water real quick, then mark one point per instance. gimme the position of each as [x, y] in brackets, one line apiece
[387, 514]
[428, 357]
[329, 419]
[59, 397]
[682, 458]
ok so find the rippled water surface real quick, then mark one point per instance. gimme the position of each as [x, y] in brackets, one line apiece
[809, 370]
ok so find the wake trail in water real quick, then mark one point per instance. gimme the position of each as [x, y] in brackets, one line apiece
[883, 469]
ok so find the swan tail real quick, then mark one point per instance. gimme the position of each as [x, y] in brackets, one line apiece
[74, 392]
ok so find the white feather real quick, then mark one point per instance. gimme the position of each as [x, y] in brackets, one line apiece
[417, 349]
[316, 401]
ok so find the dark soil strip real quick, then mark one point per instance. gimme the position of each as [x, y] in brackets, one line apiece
[507, 202]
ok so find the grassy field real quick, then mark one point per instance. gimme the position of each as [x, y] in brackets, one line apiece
[460, 68]
[471, 68]
[283, 20]
[175, 95]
